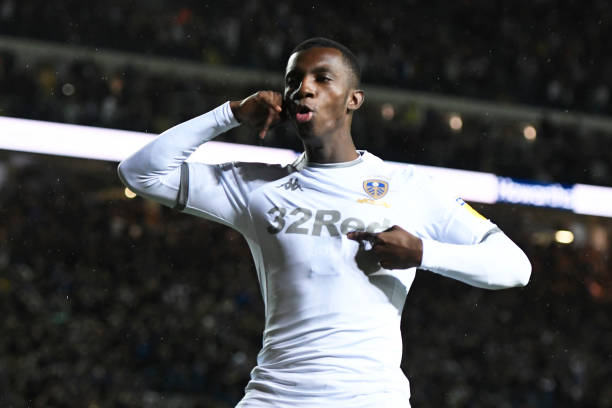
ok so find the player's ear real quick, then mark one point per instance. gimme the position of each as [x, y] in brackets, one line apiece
[356, 98]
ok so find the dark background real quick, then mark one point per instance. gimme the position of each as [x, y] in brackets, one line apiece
[107, 301]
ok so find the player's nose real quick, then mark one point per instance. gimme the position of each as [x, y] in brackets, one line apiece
[306, 89]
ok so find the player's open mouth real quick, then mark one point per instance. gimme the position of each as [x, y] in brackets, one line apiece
[303, 114]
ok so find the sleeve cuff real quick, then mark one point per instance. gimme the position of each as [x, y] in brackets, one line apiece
[433, 251]
[225, 117]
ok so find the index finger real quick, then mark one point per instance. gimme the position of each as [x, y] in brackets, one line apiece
[271, 119]
[272, 99]
[362, 236]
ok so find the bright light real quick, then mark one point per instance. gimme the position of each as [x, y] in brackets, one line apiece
[530, 133]
[115, 145]
[564, 237]
[455, 122]
[129, 193]
[387, 111]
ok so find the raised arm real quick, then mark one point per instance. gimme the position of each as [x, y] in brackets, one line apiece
[155, 170]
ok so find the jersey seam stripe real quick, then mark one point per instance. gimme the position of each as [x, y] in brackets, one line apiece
[183, 193]
[490, 232]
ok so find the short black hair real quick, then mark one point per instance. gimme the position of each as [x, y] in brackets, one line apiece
[348, 55]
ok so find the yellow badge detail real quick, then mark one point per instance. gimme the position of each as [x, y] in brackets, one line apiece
[376, 188]
[373, 202]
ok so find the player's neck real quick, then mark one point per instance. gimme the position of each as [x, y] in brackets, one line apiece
[331, 152]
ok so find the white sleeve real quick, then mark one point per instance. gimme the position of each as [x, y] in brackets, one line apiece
[159, 171]
[494, 263]
[464, 245]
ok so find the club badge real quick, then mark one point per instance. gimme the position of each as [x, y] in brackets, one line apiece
[376, 188]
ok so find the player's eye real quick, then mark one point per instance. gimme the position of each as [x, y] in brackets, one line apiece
[291, 81]
[324, 78]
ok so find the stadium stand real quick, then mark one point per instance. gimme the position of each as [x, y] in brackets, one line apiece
[509, 52]
[116, 302]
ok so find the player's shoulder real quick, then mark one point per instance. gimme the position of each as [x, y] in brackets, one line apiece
[404, 172]
[415, 180]
[257, 171]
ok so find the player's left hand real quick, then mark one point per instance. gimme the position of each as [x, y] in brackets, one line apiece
[395, 247]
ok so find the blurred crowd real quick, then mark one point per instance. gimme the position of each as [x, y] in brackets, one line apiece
[541, 52]
[105, 299]
[83, 92]
[117, 302]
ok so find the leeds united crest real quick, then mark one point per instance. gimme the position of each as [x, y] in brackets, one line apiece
[376, 188]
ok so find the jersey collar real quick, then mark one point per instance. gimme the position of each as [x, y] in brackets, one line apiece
[302, 162]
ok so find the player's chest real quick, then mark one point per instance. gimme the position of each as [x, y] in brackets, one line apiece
[297, 206]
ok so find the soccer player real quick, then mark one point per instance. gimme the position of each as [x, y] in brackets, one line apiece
[336, 236]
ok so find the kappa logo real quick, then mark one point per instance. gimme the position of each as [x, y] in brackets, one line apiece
[293, 184]
[376, 188]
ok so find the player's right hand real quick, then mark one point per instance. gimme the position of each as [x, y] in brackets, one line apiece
[262, 110]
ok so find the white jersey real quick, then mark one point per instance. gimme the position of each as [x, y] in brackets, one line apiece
[332, 314]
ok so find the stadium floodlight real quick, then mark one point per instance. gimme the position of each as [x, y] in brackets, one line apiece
[564, 237]
[129, 193]
[455, 122]
[530, 133]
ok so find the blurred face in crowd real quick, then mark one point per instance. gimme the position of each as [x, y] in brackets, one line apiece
[320, 93]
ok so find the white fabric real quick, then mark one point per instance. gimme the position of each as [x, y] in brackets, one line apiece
[496, 263]
[332, 328]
